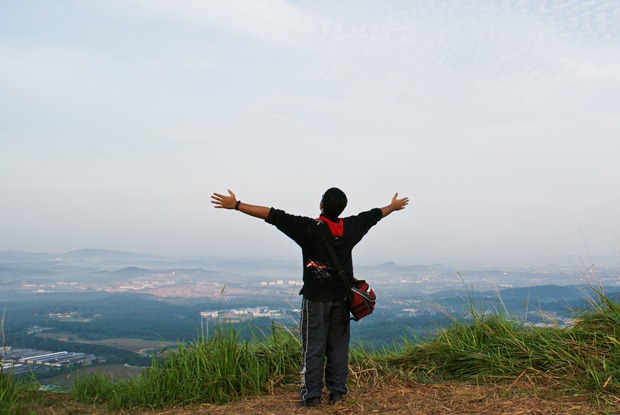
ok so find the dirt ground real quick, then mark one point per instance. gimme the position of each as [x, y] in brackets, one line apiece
[435, 399]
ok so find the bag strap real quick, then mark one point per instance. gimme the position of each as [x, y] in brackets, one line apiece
[335, 259]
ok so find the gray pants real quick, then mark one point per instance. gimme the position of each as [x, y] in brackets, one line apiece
[324, 347]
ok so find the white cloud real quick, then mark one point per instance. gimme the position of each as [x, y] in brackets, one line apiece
[276, 21]
[491, 115]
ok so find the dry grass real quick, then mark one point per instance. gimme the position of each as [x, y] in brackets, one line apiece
[392, 398]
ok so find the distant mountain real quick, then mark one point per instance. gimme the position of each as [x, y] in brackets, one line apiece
[92, 255]
[21, 256]
[128, 272]
[100, 255]
[394, 267]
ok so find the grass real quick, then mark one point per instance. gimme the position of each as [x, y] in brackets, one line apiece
[215, 370]
[14, 393]
[484, 348]
[584, 358]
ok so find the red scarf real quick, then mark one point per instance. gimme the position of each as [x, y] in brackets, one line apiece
[336, 228]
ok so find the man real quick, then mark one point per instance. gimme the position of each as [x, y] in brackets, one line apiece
[325, 318]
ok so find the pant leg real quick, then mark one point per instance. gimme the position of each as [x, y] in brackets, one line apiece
[314, 327]
[337, 351]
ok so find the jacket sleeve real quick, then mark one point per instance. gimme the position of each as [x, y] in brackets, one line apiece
[295, 227]
[361, 223]
[369, 219]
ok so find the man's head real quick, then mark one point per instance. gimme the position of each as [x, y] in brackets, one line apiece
[333, 202]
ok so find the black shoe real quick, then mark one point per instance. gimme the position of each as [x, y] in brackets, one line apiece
[335, 397]
[311, 403]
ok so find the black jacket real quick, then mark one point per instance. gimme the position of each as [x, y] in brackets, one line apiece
[321, 280]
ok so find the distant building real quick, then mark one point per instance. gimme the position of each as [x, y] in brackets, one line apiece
[35, 361]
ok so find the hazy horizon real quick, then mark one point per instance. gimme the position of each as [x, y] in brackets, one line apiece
[499, 120]
[149, 260]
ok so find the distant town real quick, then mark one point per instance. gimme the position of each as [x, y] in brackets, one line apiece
[203, 283]
[93, 307]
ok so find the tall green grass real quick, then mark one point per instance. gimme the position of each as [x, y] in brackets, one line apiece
[491, 347]
[485, 347]
[213, 370]
[9, 395]
[13, 392]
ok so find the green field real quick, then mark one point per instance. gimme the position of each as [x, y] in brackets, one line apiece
[139, 346]
[117, 372]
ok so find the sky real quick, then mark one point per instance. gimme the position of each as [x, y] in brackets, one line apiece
[499, 119]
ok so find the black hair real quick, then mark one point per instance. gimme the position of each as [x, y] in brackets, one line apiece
[334, 201]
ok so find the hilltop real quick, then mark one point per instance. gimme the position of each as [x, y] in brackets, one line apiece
[521, 398]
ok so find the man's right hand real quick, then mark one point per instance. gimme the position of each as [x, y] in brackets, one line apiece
[230, 202]
[224, 202]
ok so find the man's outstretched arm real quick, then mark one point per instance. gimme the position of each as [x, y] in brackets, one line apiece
[396, 204]
[230, 202]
